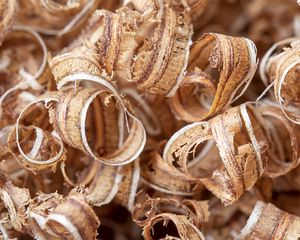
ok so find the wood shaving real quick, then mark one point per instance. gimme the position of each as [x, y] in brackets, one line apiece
[149, 119]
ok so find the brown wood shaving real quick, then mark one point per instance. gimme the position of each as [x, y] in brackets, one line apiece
[235, 58]
[7, 9]
[241, 148]
[149, 119]
[282, 69]
[281, 225]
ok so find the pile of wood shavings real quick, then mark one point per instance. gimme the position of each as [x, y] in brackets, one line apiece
[149, 119]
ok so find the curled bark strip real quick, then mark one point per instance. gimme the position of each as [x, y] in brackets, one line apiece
[260, 225]
[234, 57]
[7, 13]
[157, 57]
[185, 229]
[66, 219]
[284, 145]
[241, 140]
[282, 69]
[72, 111]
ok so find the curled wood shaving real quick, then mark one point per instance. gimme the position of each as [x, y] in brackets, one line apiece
[105, 185]
[49, 216]
[153, 114]
[15, 201]
[7, 12]
[184, 215]
[65, 222]
[159, 175]
[184, 228]
[31, 78]
[241, 140]
[129, 184]
[38, 211]
[284, 141]
[233, 57]
[270, 24]
[83, 175]
[44, 152]
[144, 112]
[109, 42]
[281, 68]
[46, 149]
[54, 18]
[281, 225]
[72, 111]
[12, 168]
[200, 11]
[192, 100]
[160, 118]
[289, 182]
[197, 211]
[154, 53]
